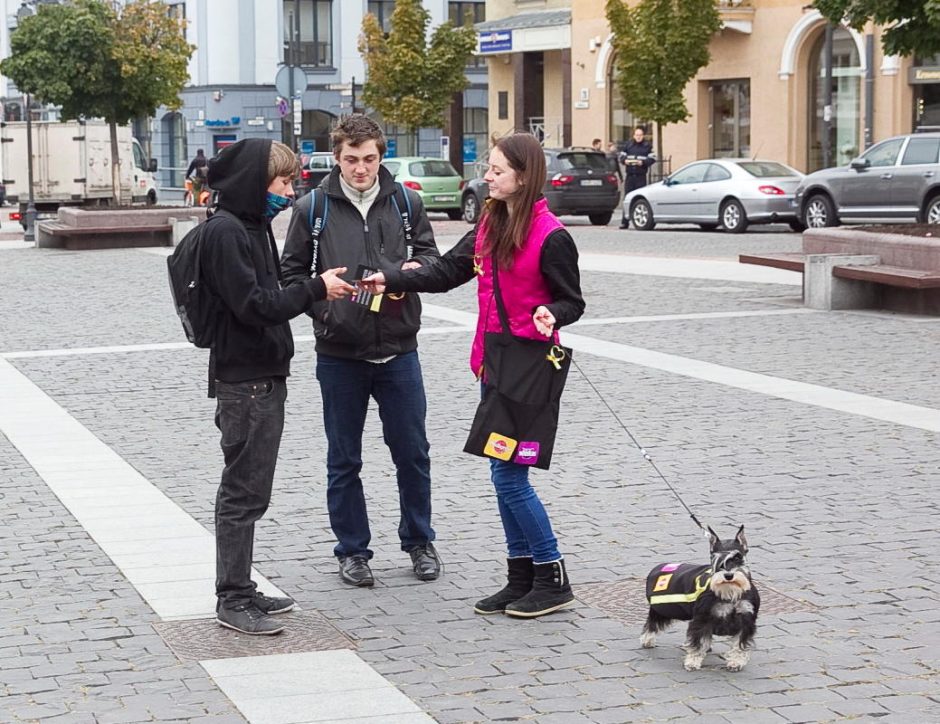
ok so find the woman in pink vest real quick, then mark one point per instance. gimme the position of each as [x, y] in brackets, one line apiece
[541, 289]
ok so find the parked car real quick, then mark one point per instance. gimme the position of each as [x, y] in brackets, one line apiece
[578, 182]
[898, 178]
[727, 192]
[317, 167]
[435, 180]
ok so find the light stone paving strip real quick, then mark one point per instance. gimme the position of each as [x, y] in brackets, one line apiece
[326, 686]
[170, 559]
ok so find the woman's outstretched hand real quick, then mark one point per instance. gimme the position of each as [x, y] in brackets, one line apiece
[544, 321]
[374, 284]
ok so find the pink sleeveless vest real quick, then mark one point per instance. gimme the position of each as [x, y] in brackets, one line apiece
[523, 287]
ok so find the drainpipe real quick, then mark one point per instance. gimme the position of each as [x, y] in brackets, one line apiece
[827, 99]
[869, 89]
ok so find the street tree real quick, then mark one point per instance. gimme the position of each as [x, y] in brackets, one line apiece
[97, 59]
[660, 46]
[913, 26]
[411, 81]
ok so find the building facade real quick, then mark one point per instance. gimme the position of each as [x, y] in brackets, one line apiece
[762, 94]
[241, 45]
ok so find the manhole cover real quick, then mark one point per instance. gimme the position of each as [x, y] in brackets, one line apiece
[626, 600]
[201, 639]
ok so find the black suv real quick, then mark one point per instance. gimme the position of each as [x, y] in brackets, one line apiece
[578, 183]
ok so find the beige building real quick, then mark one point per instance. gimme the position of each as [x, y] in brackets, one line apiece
[762, 94]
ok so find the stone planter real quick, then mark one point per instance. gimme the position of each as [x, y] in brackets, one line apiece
[77, 228]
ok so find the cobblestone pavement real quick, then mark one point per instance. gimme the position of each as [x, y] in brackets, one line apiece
[841, 509]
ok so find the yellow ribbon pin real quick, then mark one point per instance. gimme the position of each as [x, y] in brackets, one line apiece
[556, 355]
[478, 265]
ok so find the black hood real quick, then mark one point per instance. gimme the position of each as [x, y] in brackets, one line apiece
[240, 175]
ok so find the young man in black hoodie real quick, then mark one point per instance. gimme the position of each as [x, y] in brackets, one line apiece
[250, 360]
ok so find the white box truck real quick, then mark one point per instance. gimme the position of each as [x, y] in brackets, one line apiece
[72, 165]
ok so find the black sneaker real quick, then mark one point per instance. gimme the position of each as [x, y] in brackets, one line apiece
[425, 562]
[272, 605]
[355, 571]
[247, 618]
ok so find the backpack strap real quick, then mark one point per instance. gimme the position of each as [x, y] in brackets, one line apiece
[317, 219]
[405, 217]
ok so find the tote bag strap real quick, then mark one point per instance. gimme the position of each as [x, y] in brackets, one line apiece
[500, 307]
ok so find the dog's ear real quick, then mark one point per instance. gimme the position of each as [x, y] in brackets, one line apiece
[713, 538]
[741, 540]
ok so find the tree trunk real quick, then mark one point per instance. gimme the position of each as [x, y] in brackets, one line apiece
[115, 165]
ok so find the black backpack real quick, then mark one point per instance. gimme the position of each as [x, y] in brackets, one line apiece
[198, 308]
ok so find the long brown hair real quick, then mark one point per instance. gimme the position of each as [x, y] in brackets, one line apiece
[506, 233]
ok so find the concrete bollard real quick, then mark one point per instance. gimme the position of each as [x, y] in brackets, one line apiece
[824, 291]
[181, 227]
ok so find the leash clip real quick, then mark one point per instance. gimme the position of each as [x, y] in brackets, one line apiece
[556, 355]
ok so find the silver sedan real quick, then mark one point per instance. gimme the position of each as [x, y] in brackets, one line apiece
[726, 192]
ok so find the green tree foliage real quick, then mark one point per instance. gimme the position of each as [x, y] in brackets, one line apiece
[914, 25]
[660, 45]
[98, 62]
[411, 82]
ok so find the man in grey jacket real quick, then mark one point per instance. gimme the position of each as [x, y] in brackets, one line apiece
[367, 348]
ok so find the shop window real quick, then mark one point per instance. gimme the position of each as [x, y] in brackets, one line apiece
[308, 32]
[730, 118]
[475, 127]
[845, 122]
[174, 131]
[621, 121]
[460, 13]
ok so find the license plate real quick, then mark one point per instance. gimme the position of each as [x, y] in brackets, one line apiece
[443, 198]
[591, 182]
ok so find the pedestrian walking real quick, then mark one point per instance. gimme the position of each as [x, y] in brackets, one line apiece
[367, 348]
[250, 360]
[197, 172]
[526, 266]
[636, 156]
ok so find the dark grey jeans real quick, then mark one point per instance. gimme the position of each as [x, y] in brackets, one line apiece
[251, 417]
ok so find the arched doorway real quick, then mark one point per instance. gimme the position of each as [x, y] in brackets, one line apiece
[177, 154]
[845, 116]
[315, 130]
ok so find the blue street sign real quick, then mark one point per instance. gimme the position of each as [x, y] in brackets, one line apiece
[391, 148]
[469, 149]
[307, 147]
[496, 41]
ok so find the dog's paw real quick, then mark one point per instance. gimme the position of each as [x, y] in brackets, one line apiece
[693, 662]
[736, 661]
[648, 640]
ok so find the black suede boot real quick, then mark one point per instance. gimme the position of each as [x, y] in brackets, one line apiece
[550, 592]
[519, 582]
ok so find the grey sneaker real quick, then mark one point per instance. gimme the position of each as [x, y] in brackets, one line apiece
[247, 618]
[272, 605]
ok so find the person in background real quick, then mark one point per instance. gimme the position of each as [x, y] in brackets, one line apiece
[540, 285]
[636, 156]
[198, 171]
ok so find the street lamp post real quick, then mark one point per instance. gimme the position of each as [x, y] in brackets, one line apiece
[30, 233]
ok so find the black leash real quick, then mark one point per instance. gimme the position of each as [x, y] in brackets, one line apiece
[645, 454]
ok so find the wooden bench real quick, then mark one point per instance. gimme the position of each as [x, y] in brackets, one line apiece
[892, 276]
[791, 262]
[103, 237]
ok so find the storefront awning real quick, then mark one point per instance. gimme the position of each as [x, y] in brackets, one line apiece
[549, 30]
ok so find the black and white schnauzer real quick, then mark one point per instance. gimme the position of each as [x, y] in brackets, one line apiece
[717, 599]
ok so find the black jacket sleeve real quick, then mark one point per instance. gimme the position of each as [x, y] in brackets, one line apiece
[230, 270]
[297, 257]
[445, 273]
[559, 265]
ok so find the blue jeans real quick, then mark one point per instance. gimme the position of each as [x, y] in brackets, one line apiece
[397, 386]
[525, 522]
[250, 416]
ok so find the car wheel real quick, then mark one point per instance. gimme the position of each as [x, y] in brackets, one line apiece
[708, 227]
[642, 215]
[601, 219]
[454, 214]
[931, 213]
[152, 198]
[471, 208]
[798, 226]
[819, 212]
[733, 217]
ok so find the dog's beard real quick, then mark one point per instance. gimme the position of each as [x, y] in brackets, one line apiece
[730, 590]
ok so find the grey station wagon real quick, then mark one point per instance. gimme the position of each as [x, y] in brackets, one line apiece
[898, 178]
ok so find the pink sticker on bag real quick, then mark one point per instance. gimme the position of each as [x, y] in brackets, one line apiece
[670, 567]
[527, 453]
